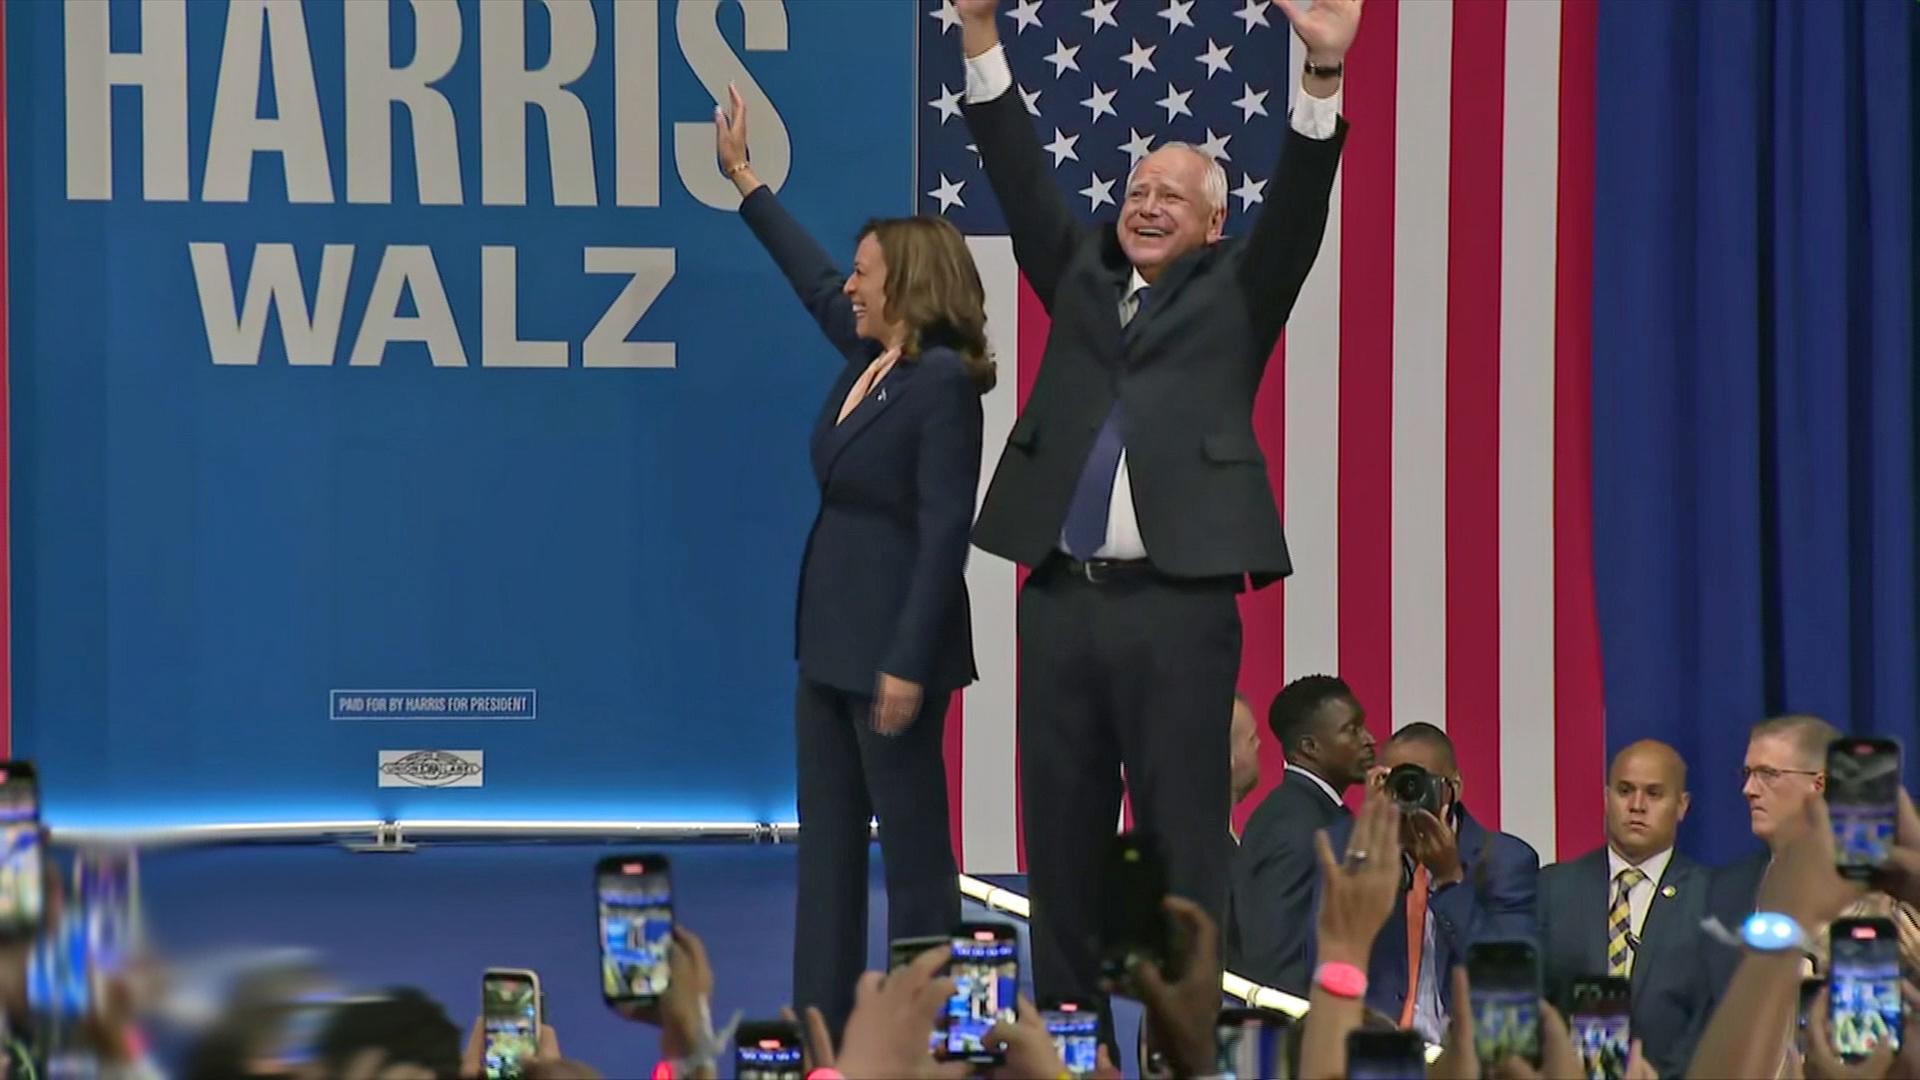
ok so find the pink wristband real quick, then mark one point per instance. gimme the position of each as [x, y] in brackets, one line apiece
[824, 1073]
[1341, 980]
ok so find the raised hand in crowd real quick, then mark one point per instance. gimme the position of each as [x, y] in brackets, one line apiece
[1901, 877]
[1823, 1064]
[892, 1023]
[684, 1013]
[816, 1040]
[1029, 1049]
[1181, 1014]
[1357, 895]
[473, 1062]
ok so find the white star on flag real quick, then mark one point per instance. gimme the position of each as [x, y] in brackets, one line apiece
[1026, 13]
[1032, 99]
[1100, 191]
[1137, 147]
[948, 103]
[1101, 102]
[1102, 14]
[948, 15]
[948, 193]
[1176, 15]
[1175, 102]
[1141, 58]
[1251, 103]
[1216, 58]
[1250, 191]
[1215, 146]
[1062, 147]
[1062, 57]
[1255, 13]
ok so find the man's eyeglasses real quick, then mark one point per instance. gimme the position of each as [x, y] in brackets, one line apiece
[1770, 776]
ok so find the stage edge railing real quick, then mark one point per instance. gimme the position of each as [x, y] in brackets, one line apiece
[400, 834]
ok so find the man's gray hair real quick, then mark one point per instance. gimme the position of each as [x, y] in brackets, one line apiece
[1215, 186]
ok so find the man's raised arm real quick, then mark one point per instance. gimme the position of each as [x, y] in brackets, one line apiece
[1043, 226]
[1286, 236]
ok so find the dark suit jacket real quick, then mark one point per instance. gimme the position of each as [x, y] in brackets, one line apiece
[1495, 902]
[1185, 372]
[1272, 884]
[1731, 894]
[1669, 986]
[882, 583]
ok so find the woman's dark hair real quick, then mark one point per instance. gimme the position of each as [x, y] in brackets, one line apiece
[934, 290]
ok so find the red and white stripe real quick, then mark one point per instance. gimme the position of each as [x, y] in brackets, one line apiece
[1426, 424]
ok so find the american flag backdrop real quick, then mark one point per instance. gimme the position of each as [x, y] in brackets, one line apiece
[1426, 416]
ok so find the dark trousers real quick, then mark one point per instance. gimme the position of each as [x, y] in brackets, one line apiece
[849, 775]
[1137, 670]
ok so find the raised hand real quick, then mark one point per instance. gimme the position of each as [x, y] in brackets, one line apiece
[975, 9]
[1359, 892]
[1326, 29]
[730, 141]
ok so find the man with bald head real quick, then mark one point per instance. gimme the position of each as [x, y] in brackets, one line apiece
[1632, 908]
[1132, 485]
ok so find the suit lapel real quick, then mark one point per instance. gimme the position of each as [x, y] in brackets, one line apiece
[1675, 883]
[890, 390]
[1595, 898]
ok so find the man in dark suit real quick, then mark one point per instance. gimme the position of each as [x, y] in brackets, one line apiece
[1132, 484]
[1786, 765]
[1324, 732]
[1632, 908]
[1462, 883]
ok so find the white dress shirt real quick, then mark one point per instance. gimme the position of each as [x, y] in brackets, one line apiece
[988, 76]
[1640, 897]
[1332, 795]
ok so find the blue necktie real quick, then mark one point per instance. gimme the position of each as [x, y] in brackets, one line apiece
[1086, 528]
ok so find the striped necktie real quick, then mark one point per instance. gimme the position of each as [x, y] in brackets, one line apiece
[1620, 922]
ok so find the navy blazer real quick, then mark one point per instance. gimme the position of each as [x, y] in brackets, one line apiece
[1670, 987]
[1494, 902]
[883, 580]
[1270, 925]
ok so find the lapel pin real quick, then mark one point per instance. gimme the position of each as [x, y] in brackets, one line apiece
[883, 395]
[1667, 892]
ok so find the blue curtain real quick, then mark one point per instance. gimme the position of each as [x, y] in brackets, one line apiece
[1754, 397]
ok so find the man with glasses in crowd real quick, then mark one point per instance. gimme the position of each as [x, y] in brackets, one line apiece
[1786, 766]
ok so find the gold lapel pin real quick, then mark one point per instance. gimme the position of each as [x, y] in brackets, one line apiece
[1667, 892]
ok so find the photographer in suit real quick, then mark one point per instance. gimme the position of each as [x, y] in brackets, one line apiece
[1132, 484]
[1323, 731]
[1632, 908]
[1460, 883]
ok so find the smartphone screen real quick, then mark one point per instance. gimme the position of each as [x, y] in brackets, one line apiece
[1134, 922]
[768, 1051]
[1505, 979]
[635, 897]
[106, 892]
[1863, 785]
[1863, 986]
[1600, 1026]
[59, 984]
[1385, 1055]
[1250, 1044]
[1075, 1027]
[510, 1021]
[986, 981]
[22, 891]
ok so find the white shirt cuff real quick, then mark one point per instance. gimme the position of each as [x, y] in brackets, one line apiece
[988, 76]
[1314, 117]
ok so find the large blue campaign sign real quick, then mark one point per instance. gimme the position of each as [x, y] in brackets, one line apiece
[396, 377]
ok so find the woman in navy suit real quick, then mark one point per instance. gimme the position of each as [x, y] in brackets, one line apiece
[884, 632]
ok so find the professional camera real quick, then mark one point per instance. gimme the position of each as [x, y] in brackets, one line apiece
[1414, 788]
